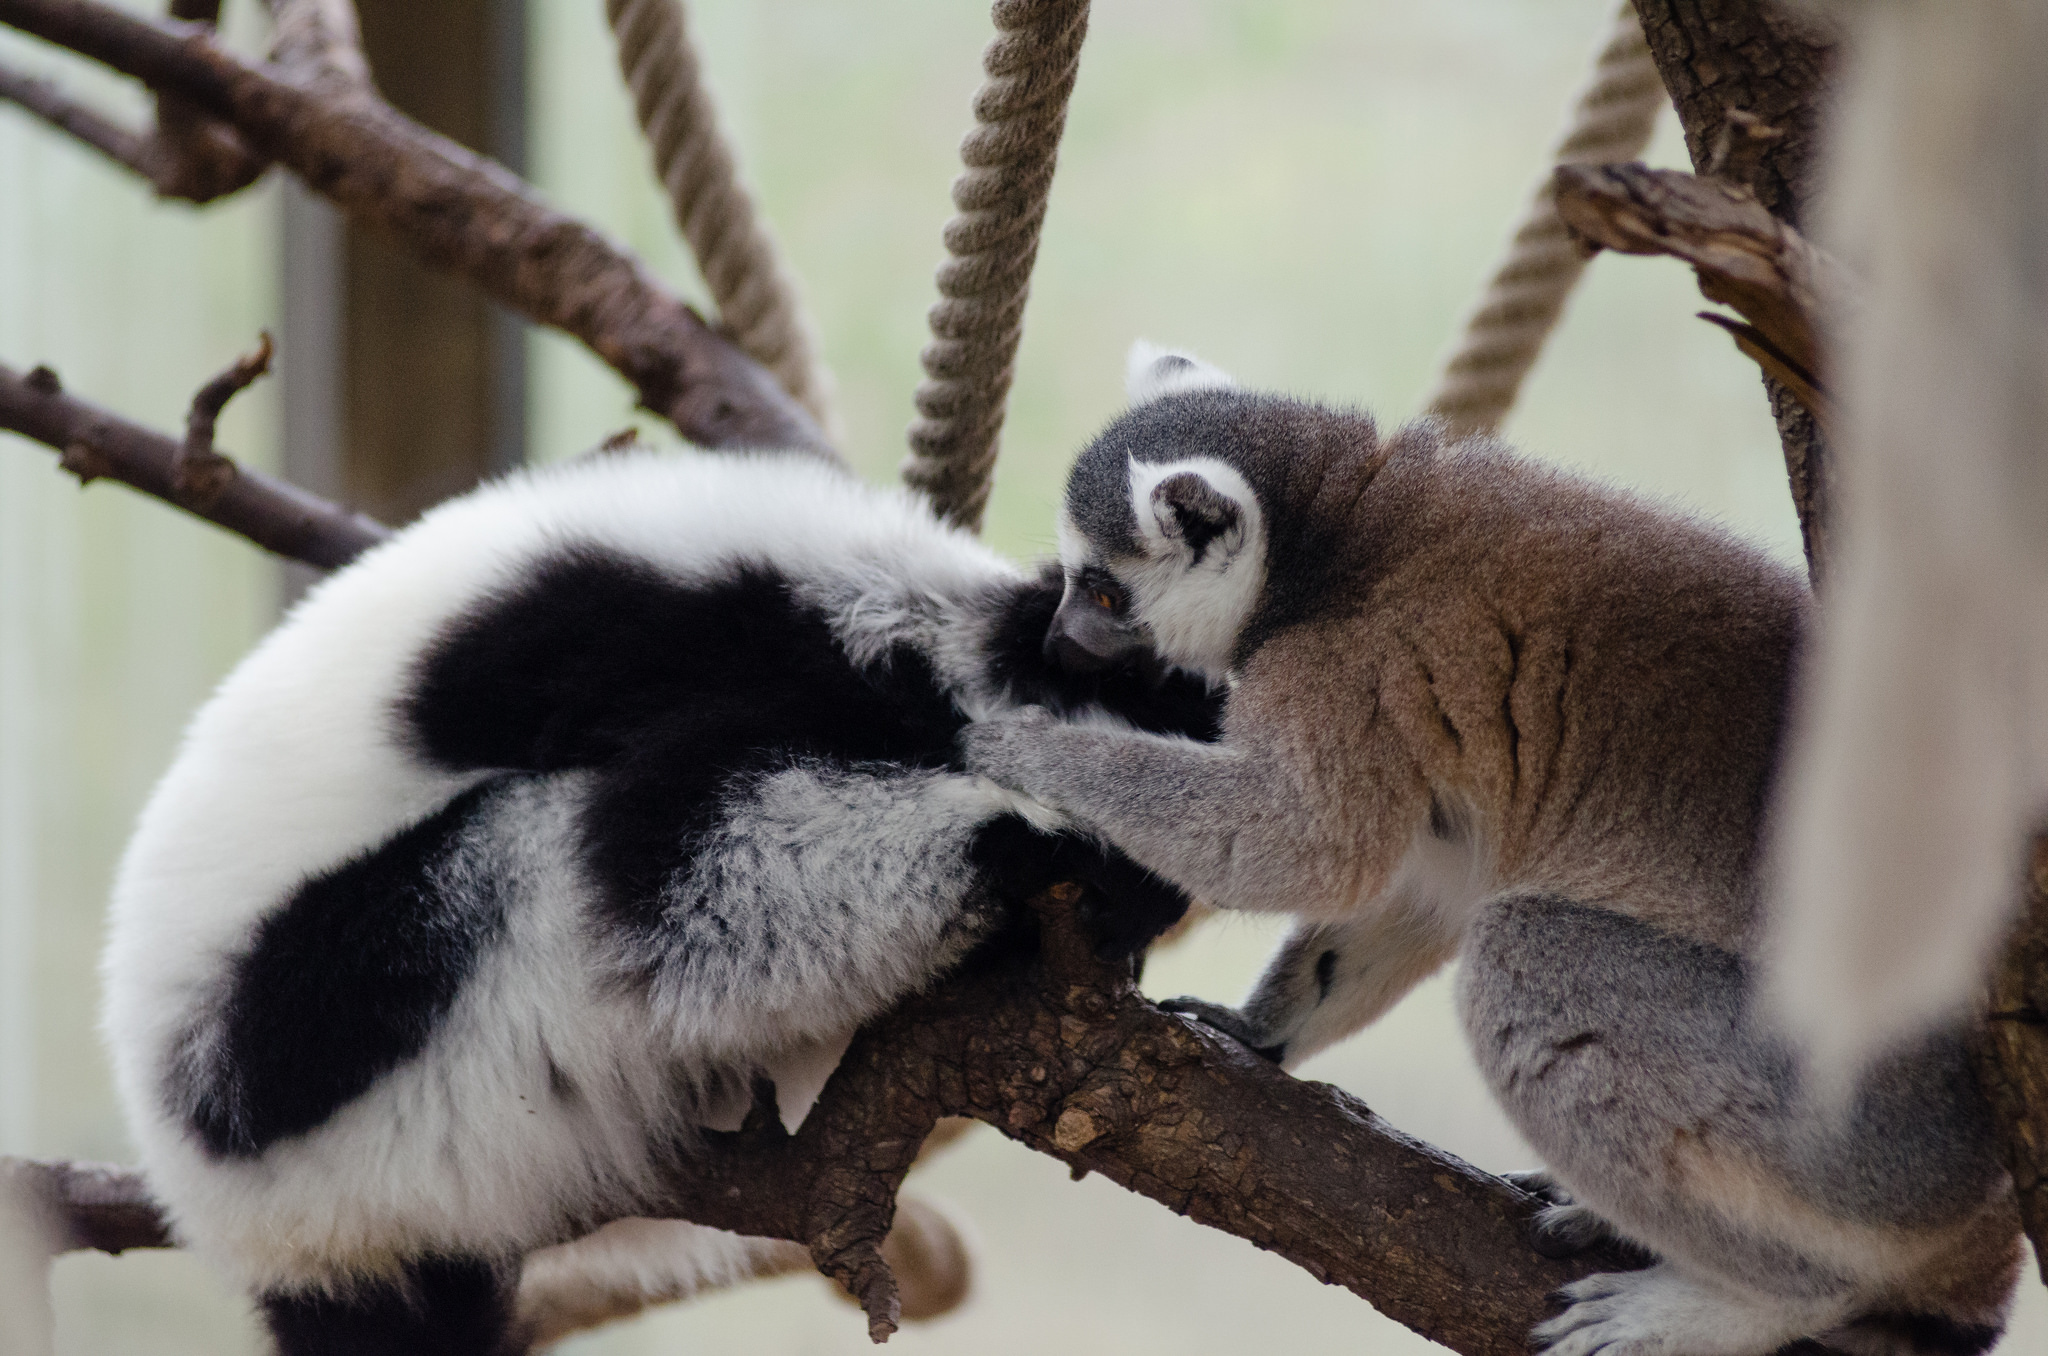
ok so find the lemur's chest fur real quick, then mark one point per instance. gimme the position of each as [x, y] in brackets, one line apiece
[1544, 688]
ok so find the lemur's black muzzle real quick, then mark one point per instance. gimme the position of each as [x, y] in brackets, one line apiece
[1086, 638]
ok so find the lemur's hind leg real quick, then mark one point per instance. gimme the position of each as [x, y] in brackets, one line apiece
[1328, 980]
[448, 1306]
[1631, 1060]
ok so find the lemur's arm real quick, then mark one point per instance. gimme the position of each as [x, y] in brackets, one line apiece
[1329, 979]
[1231, 824]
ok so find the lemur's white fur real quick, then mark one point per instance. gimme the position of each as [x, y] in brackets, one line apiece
[1920, 764]
[1195, 610]
[297, 763]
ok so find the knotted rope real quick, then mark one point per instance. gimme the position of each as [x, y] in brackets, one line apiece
[1611, 120]
[757, 299]
[1019, 112]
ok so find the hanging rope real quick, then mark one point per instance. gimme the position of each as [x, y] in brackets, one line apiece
[1019, 113]
[1611, 120]
[757, 299]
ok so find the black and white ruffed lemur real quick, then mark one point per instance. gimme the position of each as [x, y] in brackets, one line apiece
[529, 840]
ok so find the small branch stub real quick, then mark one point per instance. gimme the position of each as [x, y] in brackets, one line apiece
[200, 474]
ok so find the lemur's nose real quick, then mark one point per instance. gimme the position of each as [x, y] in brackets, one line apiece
[1063, 650]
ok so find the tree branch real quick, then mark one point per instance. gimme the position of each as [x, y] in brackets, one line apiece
[1061, 1053]
[125, 146]
[458, 211]
[187, 155]
[95, 443]
[1760, 59]
[1744, 257]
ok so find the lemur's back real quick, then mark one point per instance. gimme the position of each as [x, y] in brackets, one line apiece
[1575, 681]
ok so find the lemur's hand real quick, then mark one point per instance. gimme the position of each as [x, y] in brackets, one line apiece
[1010, 749]
[1229, 1021]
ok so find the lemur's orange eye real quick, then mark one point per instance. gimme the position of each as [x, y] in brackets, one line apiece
[1102, 599]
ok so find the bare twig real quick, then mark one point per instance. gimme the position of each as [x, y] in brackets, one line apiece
[458, 211]
[95, 443]
[187, 155]
[1787, 289]
[125, 145]
[198, 473]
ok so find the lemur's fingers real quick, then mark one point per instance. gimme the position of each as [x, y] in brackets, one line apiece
[1538, 1182]
[1660, 1312]
[1230, 1022]
[1568, 1230]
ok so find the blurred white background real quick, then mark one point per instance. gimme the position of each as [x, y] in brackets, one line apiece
[1307, 192]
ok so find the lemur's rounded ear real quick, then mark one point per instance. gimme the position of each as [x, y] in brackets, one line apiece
[1151, 372]
[1190, 509]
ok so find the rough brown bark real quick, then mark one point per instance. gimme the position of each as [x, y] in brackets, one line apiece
[1060, 1052]
[458, 211]
[1762, 58]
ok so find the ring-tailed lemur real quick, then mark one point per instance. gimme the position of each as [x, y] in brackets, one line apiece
[1480, 708]
[526, 842]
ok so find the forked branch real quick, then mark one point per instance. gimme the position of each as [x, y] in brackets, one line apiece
[94, 443]
[1787, 290]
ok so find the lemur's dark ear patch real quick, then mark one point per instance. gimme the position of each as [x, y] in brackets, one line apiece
[1194, 510]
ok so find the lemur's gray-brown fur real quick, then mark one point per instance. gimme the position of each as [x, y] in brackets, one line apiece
[1484, 709]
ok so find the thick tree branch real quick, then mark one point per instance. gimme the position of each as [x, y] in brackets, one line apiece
[1062, 1054]
[88, 1205]
[95, 443]
[458, 211]
[1761, 59]
[1744, 257]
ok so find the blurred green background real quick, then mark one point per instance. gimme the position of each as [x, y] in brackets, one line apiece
[1306, 192]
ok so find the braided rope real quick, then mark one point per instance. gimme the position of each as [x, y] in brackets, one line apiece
[757, 298]
[1019, 113]
[1611, 120]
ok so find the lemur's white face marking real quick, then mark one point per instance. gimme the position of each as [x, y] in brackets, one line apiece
[1202, 561]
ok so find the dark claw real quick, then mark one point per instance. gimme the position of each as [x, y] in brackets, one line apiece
[1230, 1022]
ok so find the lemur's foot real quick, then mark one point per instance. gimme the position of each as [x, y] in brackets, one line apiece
[1231, 1023]
[1660, 1312]
[1564, 1227]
